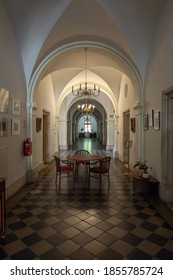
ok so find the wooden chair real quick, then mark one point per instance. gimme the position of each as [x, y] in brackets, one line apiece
[101, 168]
[64, 168]
[80, 152]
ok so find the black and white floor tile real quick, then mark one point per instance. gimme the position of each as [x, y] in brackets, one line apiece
[85, 223]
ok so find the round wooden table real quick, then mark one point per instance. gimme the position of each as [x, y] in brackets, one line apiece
[84, 159]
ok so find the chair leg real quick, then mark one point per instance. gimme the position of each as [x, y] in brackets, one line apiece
[59, 182]
[108, 182]
[56, 179]
[88, 177]
[100, 181]
[73, 178]
[76, 169]
[69, 175]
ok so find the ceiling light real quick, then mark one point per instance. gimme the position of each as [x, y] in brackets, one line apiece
[85, 91]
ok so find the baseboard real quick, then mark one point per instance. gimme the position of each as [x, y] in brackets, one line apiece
[14, 187]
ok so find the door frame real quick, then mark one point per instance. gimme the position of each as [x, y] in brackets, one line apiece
[126, 134]
[166, 191]
[46, 129]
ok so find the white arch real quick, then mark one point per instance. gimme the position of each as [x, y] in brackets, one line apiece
[104, 89]
[133, 74]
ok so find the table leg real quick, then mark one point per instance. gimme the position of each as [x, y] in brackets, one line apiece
[85, 173]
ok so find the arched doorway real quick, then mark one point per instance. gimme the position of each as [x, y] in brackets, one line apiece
[63, 97]
[87, 124]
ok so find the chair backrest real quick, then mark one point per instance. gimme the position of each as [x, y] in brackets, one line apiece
[57, 161]
[105, 163]
[80, 152]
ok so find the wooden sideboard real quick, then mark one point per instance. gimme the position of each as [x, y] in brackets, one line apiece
[149, 186]
[2, 206]
[87, 135]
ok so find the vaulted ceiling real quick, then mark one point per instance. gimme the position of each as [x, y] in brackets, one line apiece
[41, 26]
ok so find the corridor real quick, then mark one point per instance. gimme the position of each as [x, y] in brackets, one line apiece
[81, 224]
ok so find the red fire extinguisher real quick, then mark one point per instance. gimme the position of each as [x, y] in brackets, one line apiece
[27, 147]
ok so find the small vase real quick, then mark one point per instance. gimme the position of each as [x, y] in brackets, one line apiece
[145, 175]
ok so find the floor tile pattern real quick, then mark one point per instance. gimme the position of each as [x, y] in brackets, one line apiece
[85, 223]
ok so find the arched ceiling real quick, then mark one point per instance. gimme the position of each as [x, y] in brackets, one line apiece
[68, 68]
[41, 26]
[99, 112]
[98, 106]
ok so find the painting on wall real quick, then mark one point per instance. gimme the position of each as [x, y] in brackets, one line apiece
[15, 106]
[4, 101]
[156, 120]
[38, 124]
[133, 124]
[15, 126]
[3, 126]
[145, 121]
[151, 118]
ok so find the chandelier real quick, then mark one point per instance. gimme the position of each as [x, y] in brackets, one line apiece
[86, 108]
[85, 91]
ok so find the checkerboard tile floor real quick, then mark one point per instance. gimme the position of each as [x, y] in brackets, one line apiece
[45, 224]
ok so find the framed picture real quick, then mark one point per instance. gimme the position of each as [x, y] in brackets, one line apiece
[38, 124]
[4, 101]
[3, 126]
[145, 121]
[151, 118]
[15, 106]
[15, 126]
[133, 124]
[128, 144]
[156, 120]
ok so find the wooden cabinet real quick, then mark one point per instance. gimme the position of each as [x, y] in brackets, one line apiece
[87, 135]
[2, 206]
[149, 186]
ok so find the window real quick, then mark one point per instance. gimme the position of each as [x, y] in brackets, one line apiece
[87, 125]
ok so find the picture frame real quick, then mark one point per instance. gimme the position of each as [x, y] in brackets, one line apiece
[3, 126]
[4, 101]
[16, 106]
[38, 124]
[15, 126]
[133, 124]
[146, 122]
[156, 120]
[151, 118]
[128, 144]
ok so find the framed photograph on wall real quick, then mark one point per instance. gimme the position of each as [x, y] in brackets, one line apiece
[133, 124]
[145, 121]
[15, 126]
[15, 106]
[151, 118]
[38, 124]
[3, 126]
[156, 120]
[4, 101]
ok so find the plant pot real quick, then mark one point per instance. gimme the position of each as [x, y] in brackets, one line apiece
[138, 171]
[145, 175]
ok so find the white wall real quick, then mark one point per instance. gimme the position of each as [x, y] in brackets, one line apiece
[12, 79]
[44, 98]
[126, 103]
[158, 78]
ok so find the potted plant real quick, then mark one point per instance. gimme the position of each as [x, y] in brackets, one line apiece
[142, 165]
